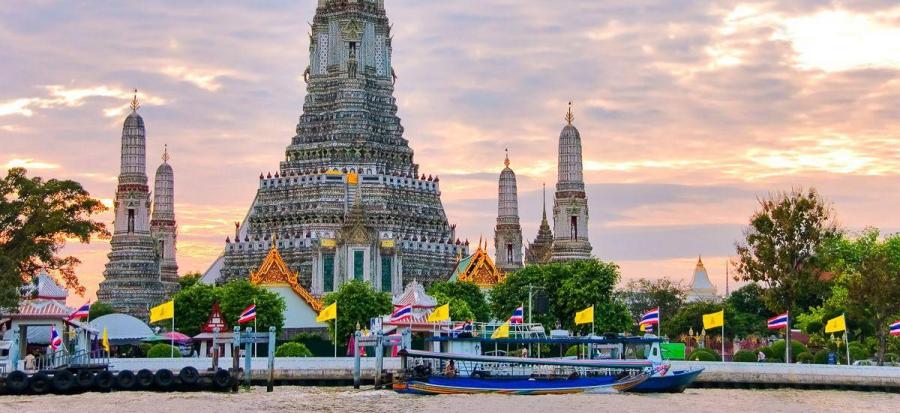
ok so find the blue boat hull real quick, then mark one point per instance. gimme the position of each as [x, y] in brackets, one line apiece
[522, 386]
[673, 382]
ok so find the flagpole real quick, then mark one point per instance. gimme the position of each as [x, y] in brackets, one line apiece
[846, 337]
[723, 338]
[172, 351]
[335, 329]
[255, 330]
[787, 331]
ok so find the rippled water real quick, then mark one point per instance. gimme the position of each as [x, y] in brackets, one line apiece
[343, 399]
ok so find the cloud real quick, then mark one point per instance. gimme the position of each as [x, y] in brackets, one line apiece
[28, 164]
[202, 78]
[61, 96]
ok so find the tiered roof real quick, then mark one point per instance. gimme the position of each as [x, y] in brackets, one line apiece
[415, 294]
[274, 272]
[478, 268]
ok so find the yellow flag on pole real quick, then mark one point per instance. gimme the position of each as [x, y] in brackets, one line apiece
[714, 320]
[836, 324]
[585, 316]
[327, 313]
[501, 332]
[439, 314]
[163, 311]
[105, 340]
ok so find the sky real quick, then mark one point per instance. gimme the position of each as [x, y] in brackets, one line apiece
[689, 111]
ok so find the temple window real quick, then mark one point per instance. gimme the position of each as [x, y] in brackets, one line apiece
[386, 275]
[328, 272]
[358, 258]
[162, 249]
[509, 253]
[130, 220]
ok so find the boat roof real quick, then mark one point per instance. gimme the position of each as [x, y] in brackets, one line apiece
[605, 363]
[557, 340]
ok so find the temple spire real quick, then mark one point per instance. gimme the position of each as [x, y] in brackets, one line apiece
[134, 102]
[569, 116]
[165, 156]
[506, 161]
[544, 199]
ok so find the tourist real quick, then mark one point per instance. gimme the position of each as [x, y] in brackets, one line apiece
[29, 362]
[760, 357]
[450, 370]
[524, 352]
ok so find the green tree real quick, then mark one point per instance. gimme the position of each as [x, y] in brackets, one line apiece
[642, 294]
[782, 249]
[189, 279]
[690, 317]
[292, 349]
[466, 292]
[749, 311]
[459, 309]
[163, 350]
[357, 303]
[36, 218]
[100, 309]
[571, 287]
[239, 294]
[869, 270]
[193, 306]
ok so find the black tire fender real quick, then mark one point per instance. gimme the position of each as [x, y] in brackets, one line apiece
[125, 380]
[163, 378]
[63, 381]
[221, 379]
[17, 382]
[85, 379]
[104, 380]
[39, 383]
[189, 376]
[144, 378]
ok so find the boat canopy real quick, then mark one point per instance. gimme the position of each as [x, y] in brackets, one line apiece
[610, 364]
[556, 340]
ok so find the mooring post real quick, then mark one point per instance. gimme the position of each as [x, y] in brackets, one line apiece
[236, 359]
[248, 372]
[271, 381]
[379, 356]
[215, 349]
[356, 359]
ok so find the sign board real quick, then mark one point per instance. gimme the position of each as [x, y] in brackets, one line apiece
[672, 351]
[832, 358]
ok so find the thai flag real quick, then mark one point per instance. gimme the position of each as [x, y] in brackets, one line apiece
[895, 328]
[55, 339]
[518, 316]
[648, 328]
[402, 313]
[81, 312]
[249, 314]
[778, 322]
[650, 317]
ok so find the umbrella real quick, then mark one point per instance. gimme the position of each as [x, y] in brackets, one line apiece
[178, 337]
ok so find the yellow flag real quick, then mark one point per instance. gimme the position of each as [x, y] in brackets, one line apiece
[327, 313]
[643, 327]
[163, 311]
[502, 331]
[441, 313]
[836, 324]
[585, 316]
[105, 341]
[714, 320]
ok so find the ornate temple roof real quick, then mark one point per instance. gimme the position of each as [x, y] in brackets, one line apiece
[45, 287]
[540, 250]
[478, 268]
[274, 272]
[414, 294]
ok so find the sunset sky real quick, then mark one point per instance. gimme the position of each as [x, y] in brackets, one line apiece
[688, 110]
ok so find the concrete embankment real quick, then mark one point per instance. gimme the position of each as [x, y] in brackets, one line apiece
[761, 375]
[300, 370]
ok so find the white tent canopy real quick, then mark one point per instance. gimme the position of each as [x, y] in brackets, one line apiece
[122, 328]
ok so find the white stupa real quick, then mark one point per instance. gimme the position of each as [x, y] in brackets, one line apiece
[701, 288]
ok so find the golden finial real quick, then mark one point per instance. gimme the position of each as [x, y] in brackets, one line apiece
[134, 102]
[569, 116]
[165, 153]
[506, 161]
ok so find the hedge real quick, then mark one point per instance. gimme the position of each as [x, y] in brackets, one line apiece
[292, 349]
[745, 356]
[704, 354]
[805, 358]
[778, 349]
[163, 350]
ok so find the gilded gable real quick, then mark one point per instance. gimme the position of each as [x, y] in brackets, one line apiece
[274, 272]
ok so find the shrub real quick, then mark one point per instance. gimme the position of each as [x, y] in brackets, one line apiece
[805, 358]
[858, 351]
[745, 356]
[767, 351]
[821, 357]
[292, 349]
[145, 348]
[163, 350]
[573, 351]
[796, 348]
[704, 354]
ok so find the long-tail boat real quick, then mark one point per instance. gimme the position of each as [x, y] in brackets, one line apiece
[425, 372]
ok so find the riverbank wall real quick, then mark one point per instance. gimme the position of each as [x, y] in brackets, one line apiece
[813, 376]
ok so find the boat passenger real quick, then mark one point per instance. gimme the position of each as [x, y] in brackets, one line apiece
[760, 357]
[450, 370]
[524, 352]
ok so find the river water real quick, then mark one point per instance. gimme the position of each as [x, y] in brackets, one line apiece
[343, 399]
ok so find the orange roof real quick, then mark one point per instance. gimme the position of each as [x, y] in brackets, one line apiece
[274, 271]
